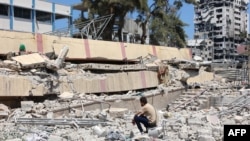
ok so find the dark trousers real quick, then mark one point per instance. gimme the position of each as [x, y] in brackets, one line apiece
[144, 120]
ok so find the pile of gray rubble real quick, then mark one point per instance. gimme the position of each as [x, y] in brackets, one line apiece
[198, 114]
[205, 103]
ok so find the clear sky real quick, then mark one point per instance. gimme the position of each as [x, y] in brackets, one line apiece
[186, 14]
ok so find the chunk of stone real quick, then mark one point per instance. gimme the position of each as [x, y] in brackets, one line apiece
[214, 120]
[27, 105]
[4, 108]
[238, 119]
[228, 121]
[50, 115]
[78, 113]
[194, 122]
[16, 139]
[66, 95]
[206, 138]
[203, 132]
[4, 111]
[117, 112]
[183, 135]
[56, 138]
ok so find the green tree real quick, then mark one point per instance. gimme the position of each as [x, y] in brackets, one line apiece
[166, 28]
[119, 9]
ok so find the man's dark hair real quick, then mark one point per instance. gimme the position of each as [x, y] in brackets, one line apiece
[143, 100]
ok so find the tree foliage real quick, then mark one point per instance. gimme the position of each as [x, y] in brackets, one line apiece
[118, 8]
[166, 28]
[165, 25]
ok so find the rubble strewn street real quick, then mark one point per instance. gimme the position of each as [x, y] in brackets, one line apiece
[204, 104]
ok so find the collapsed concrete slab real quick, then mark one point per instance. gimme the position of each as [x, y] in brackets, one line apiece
[82, 49]
[33, 60]
[201, 78]
[111, 82]
[15, 85]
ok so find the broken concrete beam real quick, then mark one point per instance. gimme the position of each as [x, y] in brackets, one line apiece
[34, 60]
[87, 49]
[58, 63]
[112, 82]
[14, 85]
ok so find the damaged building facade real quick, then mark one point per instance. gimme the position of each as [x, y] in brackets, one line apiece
[225, 22]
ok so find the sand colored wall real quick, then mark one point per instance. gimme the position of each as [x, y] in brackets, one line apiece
[19, 86]
[82, 49]
[112, 82]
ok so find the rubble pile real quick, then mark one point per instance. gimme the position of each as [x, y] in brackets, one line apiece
[194, 121]
[206, 103]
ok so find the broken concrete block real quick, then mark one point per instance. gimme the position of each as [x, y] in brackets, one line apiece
[4, 108]
[238, 119]
[204, 132]
[27, 105]
[206, 138]
[14, 85]
[212, 119]
[117, 112]
[201, 78]
[56, 138]
[99, 131]
[36, 115]
[196, 122]
[78, 113]
[50, 115]
[3, 114]
[16, 139]
[39, 90]
[66, 95]
[183, 135]
[34, 60]
[228, 121]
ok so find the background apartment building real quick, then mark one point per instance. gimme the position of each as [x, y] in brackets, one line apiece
[32, 15]
[225, 22]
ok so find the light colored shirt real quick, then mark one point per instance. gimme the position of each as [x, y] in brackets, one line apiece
[149, 111]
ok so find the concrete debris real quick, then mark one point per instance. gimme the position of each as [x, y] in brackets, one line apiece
[4, 111]
[27, 105]
[33, 60]
[97, 101]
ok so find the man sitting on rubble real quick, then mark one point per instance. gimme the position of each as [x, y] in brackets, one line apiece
[146, 116]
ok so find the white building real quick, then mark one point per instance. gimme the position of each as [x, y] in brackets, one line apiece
[225, 22]
[32, 15]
